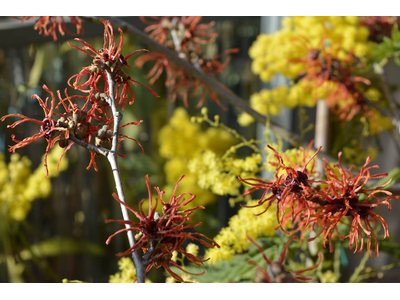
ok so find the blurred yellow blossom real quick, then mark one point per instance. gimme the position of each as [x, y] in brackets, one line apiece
[19, 186]
[329, 277]
[355, 154]
[192, 249]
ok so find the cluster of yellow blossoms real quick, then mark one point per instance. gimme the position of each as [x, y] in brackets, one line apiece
[277, 53]
[269, 102]
[220, 175]
[199, 155]
[19, 186]
[233, 239]
[283, 51]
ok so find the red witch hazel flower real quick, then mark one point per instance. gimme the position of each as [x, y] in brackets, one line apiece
[48, 26]
[160, 235]
[48, 126]
[289, 189]
[346, 196]
[187, 30]
[323, 65]
[276, 271]
[107, 58]
[343, 200]
[184, 35]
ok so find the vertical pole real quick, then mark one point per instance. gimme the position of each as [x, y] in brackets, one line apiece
[321, 139]
[322, 131]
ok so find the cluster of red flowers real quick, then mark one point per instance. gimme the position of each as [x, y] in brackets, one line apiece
[289, 189]
[184, 35]
[107, 59]
[276, 271]
[348, 99]
[323, 205]
[92, 120]
[48, 26]
[160, 235]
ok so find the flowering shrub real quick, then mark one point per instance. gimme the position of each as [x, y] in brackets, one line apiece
[302, 192]
[326, 62]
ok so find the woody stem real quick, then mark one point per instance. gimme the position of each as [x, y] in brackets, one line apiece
[112, 158]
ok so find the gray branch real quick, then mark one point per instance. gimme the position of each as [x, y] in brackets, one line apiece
[112, 158]
[91, 147]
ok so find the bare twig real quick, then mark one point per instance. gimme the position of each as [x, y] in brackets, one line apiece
[112, 158]
[111, 155]
[91, 147]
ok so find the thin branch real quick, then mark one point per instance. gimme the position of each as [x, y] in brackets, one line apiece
[111, 155]
[112, 158]
[91, 147]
